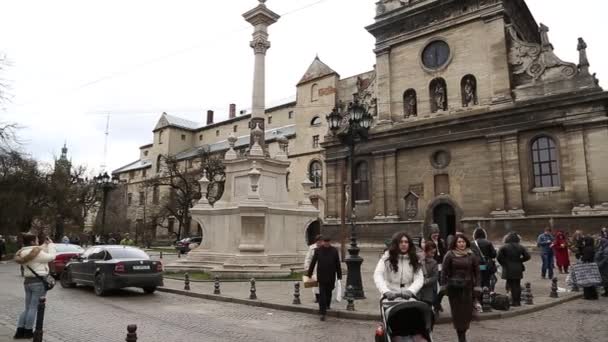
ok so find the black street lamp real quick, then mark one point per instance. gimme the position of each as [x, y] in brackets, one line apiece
[359, 122]
[105, 183]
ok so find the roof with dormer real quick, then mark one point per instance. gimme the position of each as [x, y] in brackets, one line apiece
[167, 120]
[316, 70]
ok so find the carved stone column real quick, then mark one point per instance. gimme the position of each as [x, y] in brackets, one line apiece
[383, 76]
[498, 186]
[379, 191]
[390, 185]
[511, 174]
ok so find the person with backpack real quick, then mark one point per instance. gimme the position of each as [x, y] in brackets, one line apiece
[35, 260]
[485, 251]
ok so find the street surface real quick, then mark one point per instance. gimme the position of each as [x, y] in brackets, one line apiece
[75, 315]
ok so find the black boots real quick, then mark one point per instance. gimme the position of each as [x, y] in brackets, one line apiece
[462, 336]
[19, 333]
[22, 334]
[316, 297]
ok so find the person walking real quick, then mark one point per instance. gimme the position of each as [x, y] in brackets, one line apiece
[399, 271]
[430, 270]
[576, 244]
[601, 258]
[512, 257]
[485, 251]
[308, 259]
[460, 274]
[34, 259]
[327, 261]
[545, 241]
[439, 243]
[589, 292]
[560, 249]
[127, 241]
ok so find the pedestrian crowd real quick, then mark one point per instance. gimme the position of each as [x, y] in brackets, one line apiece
[460, 268]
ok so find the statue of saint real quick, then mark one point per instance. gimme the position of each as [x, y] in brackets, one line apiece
[411, 105]
[469, 92]
[440, 101]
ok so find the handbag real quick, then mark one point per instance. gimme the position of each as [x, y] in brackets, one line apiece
[585, 275]
[310, 281]
[485, 264]
[48, 281]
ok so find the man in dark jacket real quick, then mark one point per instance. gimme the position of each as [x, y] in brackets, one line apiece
[327, 260]
[485, 251]
[511, 257]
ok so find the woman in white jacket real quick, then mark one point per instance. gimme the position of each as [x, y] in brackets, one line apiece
[399, 271]
[33, 257]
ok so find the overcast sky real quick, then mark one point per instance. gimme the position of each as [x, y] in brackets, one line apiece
[74, 62]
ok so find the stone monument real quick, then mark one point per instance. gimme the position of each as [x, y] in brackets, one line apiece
[254, 230]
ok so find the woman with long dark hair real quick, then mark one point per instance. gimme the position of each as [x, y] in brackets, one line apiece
[399, 271]
[460, 276]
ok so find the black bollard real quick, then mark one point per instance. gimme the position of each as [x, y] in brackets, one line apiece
[553, 293]
[187, 282]
[216, 286]
[529, 297]
[252, 291]
[524, 294]
[161, 255]
[296, 293]
[486, 300]
[131, 333]
[350, 299]
[40, 320]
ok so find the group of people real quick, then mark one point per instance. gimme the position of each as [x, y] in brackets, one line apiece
[586, 249]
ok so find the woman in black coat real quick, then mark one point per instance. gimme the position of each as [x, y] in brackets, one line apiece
[589, 292]
[511, 257]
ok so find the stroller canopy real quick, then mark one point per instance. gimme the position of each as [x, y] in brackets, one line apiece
[409, 318]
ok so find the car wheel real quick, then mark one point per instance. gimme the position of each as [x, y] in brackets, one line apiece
[149, 290]
[99, 285]
[64, 279]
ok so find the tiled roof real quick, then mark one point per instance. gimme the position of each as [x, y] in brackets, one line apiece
[316, 70]
[174, 121]
[136, 165]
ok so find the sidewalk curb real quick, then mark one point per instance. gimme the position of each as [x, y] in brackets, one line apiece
[365, 316]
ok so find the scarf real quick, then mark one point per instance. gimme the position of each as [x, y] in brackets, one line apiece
[457, 252]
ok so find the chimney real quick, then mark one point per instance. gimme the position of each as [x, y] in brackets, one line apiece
[232, 112]
[209, 117]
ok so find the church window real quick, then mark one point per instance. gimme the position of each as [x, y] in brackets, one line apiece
[142, 198]
[269, 119]
[183, 137]
[544, 163]
[155, 195]
[436, 55]
[144, 173]
[315, 174]
[468, 89]
[158, 163]
[315, 141]
[200, 137]
[145, 153]
[217, 133]
[314, 92]
[410, 103]
[129, 198]
[290, 114]
[131, 174]
[160, 137]
[361, 182]
[438, 93]
[316, 121]
[235, 128]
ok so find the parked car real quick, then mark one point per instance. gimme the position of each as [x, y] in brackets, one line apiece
[112, 267]
[183, 245]
[65, 252]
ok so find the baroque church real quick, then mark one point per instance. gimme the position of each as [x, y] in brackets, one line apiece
[477, 121]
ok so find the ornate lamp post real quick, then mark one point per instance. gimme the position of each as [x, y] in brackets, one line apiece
[105, 183]
[359, 122]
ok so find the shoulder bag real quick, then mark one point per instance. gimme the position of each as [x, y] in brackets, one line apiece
[48, 281]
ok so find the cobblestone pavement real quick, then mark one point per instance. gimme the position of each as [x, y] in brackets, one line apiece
[75, 315]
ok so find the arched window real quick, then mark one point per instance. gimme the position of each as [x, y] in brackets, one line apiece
[361, 182]
[544, 163]
[438, 93]
[158, 163]
[410, 103]
[316, 121]
[314, 92]
[160, 137]
[315, 174]
[468, 91]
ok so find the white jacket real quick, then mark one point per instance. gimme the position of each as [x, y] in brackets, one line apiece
[37, 258]
[386, 280]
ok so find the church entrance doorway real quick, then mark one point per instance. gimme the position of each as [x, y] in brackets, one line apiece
[445, 217]
[313, 229]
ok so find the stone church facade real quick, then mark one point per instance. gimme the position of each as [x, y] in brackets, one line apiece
[476, 122]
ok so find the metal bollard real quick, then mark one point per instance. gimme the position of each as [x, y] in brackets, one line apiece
[529, 297]
[40, 320]
[252, 291]
[216, 286]
[486, 301]
[161, 255]
[350, 298]
[553, 293]
[187, 282]
[296, 293]
[131, 333]
[524, 295]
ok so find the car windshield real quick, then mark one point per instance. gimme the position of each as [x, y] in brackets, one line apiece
[67, 248]
[128, 253]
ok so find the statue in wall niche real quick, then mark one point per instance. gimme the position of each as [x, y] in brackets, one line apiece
[410, 105]
[469, 92]
[373, 107]
[439, 97]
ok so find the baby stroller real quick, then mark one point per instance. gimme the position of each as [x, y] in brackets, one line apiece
[405, 321]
